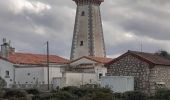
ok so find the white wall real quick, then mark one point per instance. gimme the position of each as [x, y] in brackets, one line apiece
[37, 74]
[100, 70]
[118, 84]
[7, 66]
[29, 75]
[77, 79]
[53, 72]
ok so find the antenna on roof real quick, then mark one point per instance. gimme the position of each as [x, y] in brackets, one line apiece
[141, 47]
[4, 40]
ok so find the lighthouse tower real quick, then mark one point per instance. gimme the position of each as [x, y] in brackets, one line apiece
[88, 37]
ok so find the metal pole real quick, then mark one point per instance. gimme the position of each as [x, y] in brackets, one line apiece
[48, 78]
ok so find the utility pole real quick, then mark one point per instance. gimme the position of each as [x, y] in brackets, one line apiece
[48, 78]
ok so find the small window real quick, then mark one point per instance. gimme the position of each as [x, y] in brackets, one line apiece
[100, 75]
[81, 43]
[28, 74]
[7, 74]
[83, 13]
[160, 85]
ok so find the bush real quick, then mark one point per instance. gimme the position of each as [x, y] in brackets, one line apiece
[87, 93]
[33, 91]
[76, 91]
[162, 94]
[1, 93]
[118, 95]
[3, 83]
[15, 94]
[102, 96]
[43, 96]
[63, 95]
[134, 95]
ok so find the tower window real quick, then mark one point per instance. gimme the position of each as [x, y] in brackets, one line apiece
[81, 43]
[83, 13]
[28, 74]
[7, 74]
[100, 75]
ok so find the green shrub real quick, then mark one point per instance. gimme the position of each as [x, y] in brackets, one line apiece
[87, 93]
[33, 91]
[3, 83]
[43, 96]
[63, 95]
[102, 96]
[118, 95]
[162, 94]
[77, 91]
[134, 95]
[15, 94]
[1, 93]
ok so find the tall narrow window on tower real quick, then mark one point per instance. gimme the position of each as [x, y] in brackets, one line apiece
[81, 43]
[88, 37]
[82, 13]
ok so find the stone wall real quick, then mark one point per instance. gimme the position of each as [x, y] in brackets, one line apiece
[160, 75]
[132, 66]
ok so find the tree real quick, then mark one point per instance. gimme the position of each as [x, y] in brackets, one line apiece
[163, 53]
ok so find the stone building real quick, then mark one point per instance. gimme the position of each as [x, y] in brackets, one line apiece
[88, 37]
[150, 70]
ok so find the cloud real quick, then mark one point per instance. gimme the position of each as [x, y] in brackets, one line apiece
[126, 23]
[18, 6]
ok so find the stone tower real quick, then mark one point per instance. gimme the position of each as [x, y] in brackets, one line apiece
[88, 37]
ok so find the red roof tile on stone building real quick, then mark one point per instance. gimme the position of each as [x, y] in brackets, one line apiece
[148, 57]
[35, 59]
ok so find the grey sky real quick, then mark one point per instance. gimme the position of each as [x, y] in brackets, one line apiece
[126, 24]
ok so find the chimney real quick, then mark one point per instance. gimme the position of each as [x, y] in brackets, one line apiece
[6, 49]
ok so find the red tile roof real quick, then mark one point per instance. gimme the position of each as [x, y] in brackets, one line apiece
[153, 58]
[96, 59]
[148, 57]
[99, 59]
[35, 59]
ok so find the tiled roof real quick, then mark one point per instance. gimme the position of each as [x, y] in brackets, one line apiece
[96, 59]
[153, 58]
[148, 57]
[99, 59]
[35, 59]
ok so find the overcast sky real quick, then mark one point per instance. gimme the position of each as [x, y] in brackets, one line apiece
[126, 23]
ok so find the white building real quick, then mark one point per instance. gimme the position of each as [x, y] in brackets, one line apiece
[27, 70]
[7, 71]
[85, 70]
